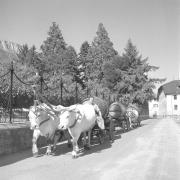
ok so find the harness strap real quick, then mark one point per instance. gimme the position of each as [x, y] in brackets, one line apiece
[42, 122]
[75, 120]
[73, 123]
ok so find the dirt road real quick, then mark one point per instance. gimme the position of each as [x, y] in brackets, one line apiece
[151, 152]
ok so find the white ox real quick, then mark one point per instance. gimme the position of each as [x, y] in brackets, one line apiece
[78, 119]
[44, 121]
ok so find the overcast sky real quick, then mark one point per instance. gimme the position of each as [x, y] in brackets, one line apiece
[152, 25]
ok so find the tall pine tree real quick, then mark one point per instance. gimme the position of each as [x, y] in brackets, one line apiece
[54, 43]
[127, 76]
[82, 64]
[99, 53]
[53, 49]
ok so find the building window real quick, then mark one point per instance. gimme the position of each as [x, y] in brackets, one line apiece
[175, 107]
[175, 97]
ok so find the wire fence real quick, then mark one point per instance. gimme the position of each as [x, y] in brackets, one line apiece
[11, 114]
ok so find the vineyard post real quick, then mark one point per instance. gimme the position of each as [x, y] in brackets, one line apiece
[109, 99]
[61, 91]
[11, 89]
[41, 83]
[96, 93]
[103, 95]
[76, 93]
[87, 92]
[61, 83]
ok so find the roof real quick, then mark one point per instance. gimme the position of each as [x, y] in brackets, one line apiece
[170, 88]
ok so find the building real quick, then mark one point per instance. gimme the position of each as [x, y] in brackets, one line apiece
[169, 99]
[153, 108]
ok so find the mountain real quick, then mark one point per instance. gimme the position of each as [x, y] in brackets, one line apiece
[8, 51]
[9, 46]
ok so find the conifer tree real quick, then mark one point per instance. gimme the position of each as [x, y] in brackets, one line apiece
[99, 53]
[70, 61]
[82, 63]
[127, 76]
[61, 63]
[54, 43]
[53, 49]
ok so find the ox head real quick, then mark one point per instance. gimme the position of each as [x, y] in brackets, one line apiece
[37, 116]
[68, 119]
[100, 122]
[32, 118]
[99, 119]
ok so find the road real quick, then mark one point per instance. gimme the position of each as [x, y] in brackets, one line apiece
[151, 152]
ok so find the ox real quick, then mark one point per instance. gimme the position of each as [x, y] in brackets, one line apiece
[44, 121]
[78, 119]
[133, 116]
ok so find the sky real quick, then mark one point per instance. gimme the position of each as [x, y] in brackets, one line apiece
[152, 25]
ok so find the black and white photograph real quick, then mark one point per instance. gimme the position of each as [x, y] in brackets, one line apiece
[89, 89]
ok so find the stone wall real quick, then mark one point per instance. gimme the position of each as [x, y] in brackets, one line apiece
[17, 138]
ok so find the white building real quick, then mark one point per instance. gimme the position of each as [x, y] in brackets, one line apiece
[169, 98]
[153, 108]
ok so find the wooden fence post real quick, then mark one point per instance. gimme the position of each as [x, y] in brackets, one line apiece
[11, 89]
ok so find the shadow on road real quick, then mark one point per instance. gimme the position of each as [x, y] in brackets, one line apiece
[62, 149]
[13, 158]
[97, 148]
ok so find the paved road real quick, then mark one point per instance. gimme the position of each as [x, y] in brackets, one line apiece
[151, 152]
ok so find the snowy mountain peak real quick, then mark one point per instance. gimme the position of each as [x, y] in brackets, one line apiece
[9, 46]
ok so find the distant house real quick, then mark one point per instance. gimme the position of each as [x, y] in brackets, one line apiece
[169, 98]
[153, 108]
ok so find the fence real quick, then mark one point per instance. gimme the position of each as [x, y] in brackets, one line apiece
[10, 114]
